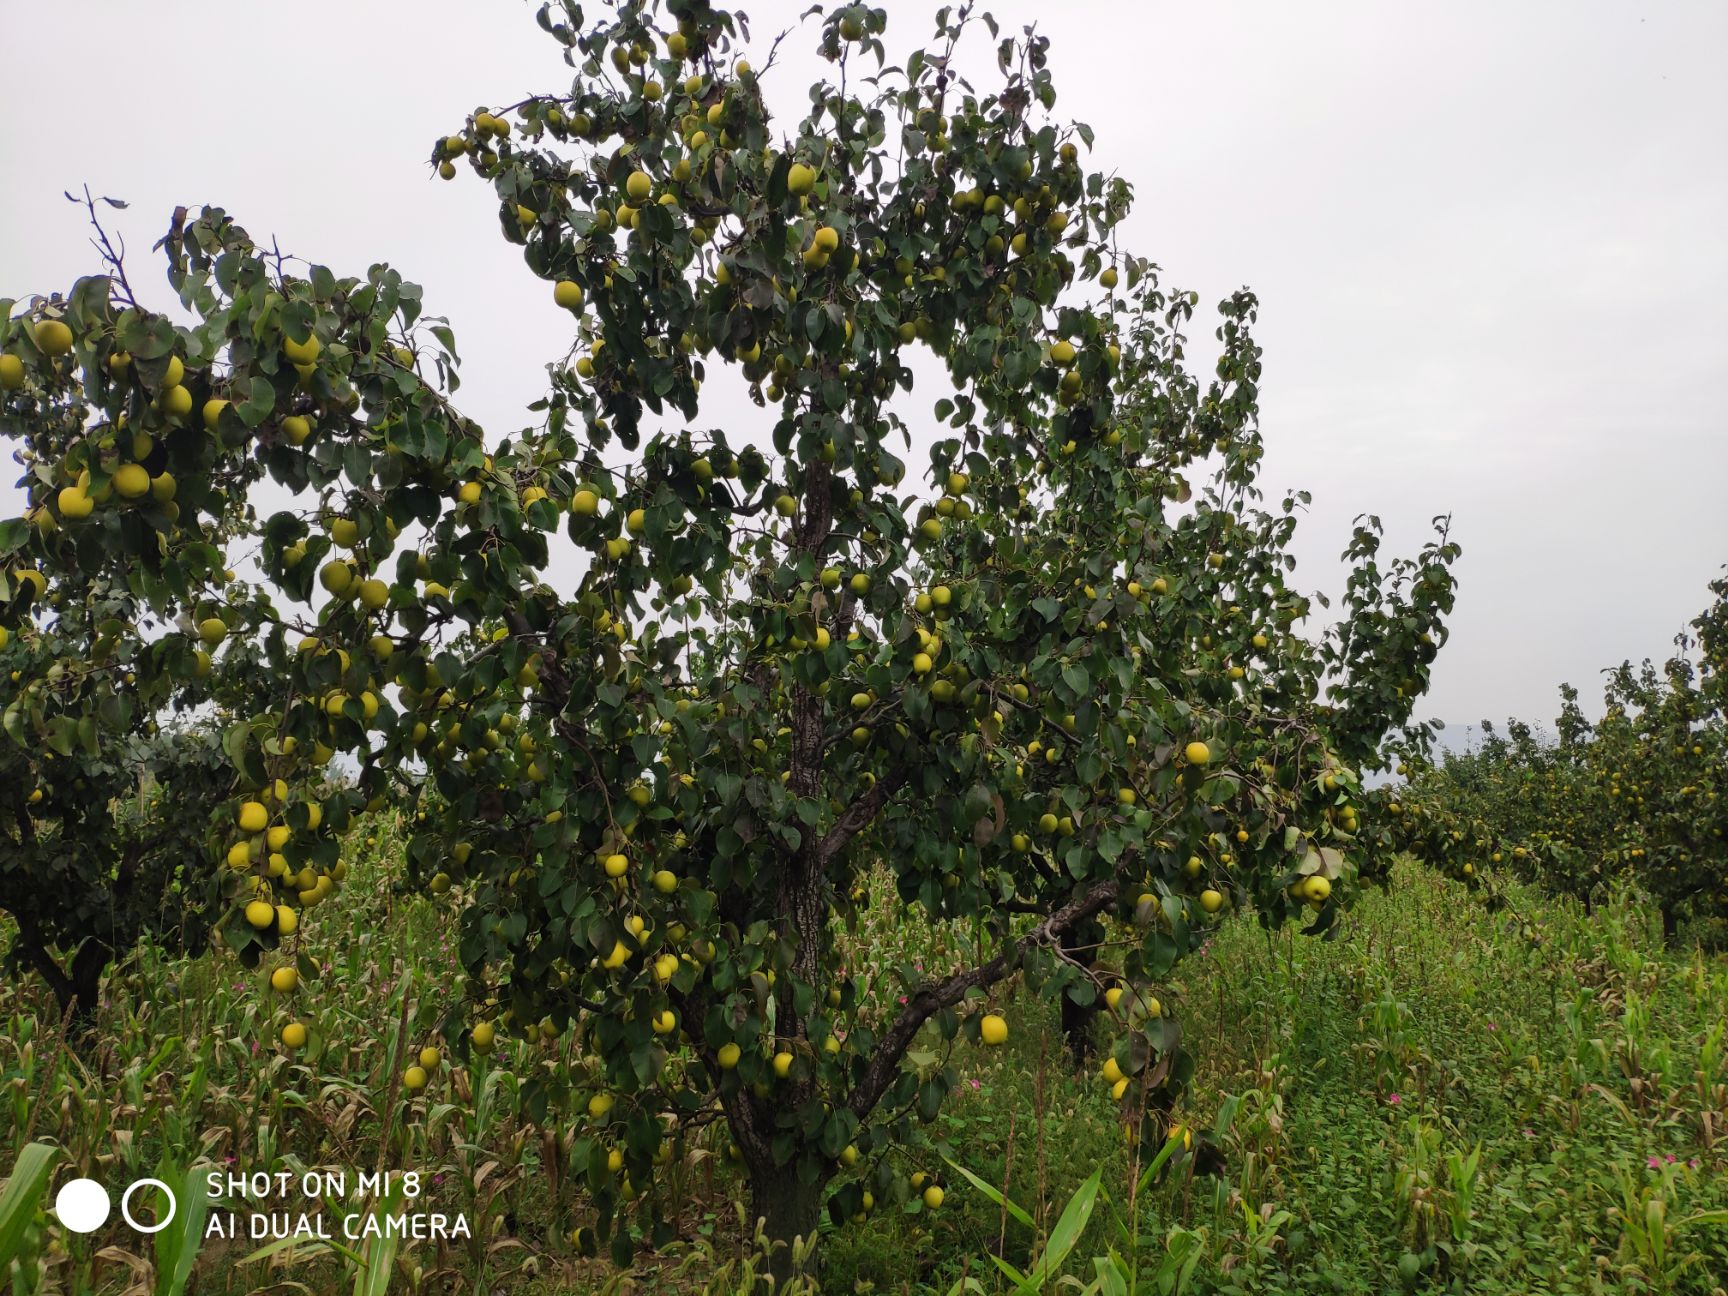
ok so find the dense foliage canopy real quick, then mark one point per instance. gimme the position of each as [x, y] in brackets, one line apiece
[660, 690]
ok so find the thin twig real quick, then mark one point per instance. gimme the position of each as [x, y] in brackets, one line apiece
[116, 260]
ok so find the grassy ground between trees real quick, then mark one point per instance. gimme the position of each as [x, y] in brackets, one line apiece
[1434, 1101]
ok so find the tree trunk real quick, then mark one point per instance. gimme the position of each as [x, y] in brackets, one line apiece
[76, 988]
[789, 1209]
[1080, 944]
[88, 965]
[1670, 925]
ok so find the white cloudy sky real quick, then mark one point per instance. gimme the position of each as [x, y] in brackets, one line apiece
[1481, 235]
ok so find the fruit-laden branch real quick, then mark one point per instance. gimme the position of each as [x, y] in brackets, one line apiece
[857, 816]
[806, 772]
[555, 682]
[801, 904]
[930, 999]
[739, 1106]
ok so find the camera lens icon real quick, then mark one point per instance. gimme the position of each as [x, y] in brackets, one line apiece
[126, 1202]
[83, 1205]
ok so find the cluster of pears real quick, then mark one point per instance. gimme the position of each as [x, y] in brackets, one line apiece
[1135, 1006]
[261, 849]
[122, 451]
[426, 1065]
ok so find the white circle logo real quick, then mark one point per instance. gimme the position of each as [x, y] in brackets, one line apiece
[126, 1200]
[82, 1205]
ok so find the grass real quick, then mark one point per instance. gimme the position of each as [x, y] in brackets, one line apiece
[1431, 1102]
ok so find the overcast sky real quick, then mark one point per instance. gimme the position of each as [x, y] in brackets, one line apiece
[1488, 241]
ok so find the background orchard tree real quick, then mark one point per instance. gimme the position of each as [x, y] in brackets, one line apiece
[1514, 780]
[1640, 794]
[104, 848]
[1063, 686]
[123, 677]
[111, 767]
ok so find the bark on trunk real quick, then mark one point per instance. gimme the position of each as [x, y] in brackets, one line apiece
[88, 965]
[78, 987]
[87, 992]
[789, 1210]
[1670, 926]
[1080, 944]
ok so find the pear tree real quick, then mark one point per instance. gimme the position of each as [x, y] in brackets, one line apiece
[103, 843]
[672, 701]
[111, 764]
[1640, 795]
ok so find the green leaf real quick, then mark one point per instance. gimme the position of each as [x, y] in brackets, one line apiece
[178, 1244]
[260, 400]
[63, 734]
[13, 533]
[1014, 1275]
[1170, 1148]
[20, 1197]
[1066, 1235]
[994, 1195]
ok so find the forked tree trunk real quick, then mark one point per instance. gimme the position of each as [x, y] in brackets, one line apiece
[788, 1207]
[790, 1210]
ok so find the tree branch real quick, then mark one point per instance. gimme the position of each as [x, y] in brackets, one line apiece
[35, 951]
[857, 816]
[116, 259]
[932, 997]
[555, 683]
[737, 1103]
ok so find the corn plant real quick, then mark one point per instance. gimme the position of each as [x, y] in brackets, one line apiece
[1459, 1251]
[177, 1245]
[1414, 1194]
[1262, 1234]
[1651, 1247]
[1711, 1085]
[21, 1197]
[1119, 1271]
